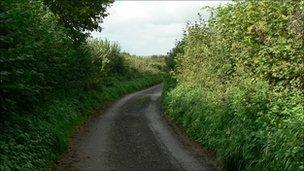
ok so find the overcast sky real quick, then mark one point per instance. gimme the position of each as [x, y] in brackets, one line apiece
[149, 27]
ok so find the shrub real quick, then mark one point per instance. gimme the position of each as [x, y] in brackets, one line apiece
[106, 59]
[37, 55]
[239, 85]
[51, 80]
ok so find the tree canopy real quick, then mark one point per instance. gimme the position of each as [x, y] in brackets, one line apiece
[79, 16]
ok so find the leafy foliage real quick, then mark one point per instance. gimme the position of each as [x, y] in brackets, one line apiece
[239, 87]
[50, 83]
[147, 65]
[173, 57]
[106, 56]
[79, 16]
[36, 56]
[34, 142]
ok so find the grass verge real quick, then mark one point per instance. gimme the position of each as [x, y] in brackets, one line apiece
[33, 142]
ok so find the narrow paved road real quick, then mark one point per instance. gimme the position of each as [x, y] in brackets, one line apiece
[132, 135]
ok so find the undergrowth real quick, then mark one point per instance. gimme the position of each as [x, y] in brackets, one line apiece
[236, 84]
[34, 141]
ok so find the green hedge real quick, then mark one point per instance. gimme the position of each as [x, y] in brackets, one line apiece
[50, 82]
[238, 85]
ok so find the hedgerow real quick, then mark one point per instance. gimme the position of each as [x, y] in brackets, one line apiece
[237, 87]
[52, 78]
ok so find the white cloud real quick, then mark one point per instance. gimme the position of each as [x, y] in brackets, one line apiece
[149, 27]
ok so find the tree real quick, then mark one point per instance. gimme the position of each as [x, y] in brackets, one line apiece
[79, 16]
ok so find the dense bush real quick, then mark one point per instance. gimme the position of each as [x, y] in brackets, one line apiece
[106, 60]
[239, 87]
[173, 57]
[31, 142]
[52, 79]
[143, 65]
[37, 55]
